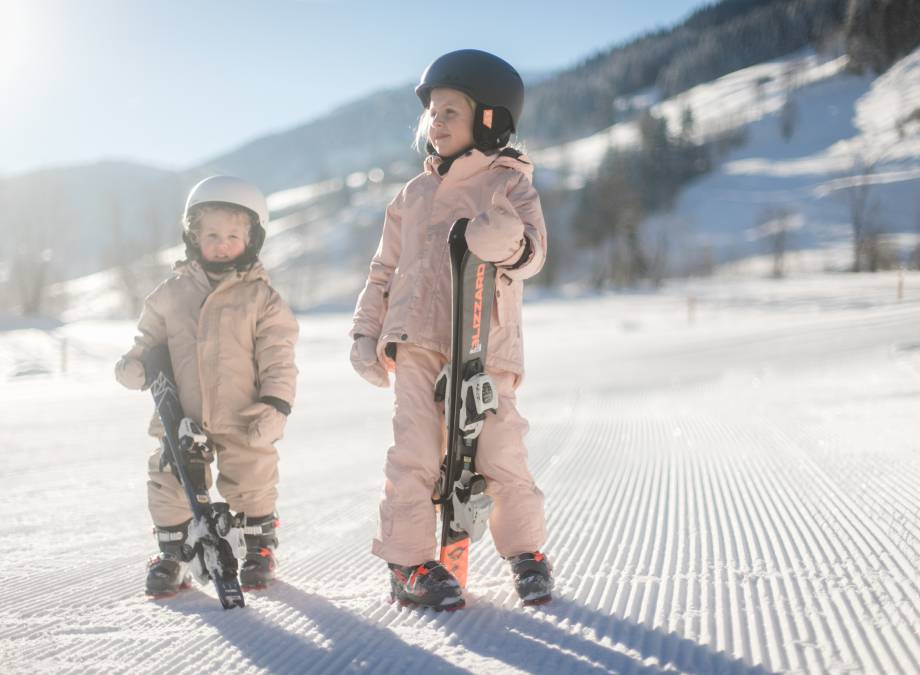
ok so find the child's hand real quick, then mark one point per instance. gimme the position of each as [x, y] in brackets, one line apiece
[266, 425]
[364, 361]
[496, 234]
[130, 373]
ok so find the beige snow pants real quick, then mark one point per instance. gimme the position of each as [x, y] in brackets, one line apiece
[407, 523]
[247, 479]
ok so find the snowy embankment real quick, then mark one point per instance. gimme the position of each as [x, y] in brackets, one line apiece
[846, 131]
[731, 472]
[849, 131]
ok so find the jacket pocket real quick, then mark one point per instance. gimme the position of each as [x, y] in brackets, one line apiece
[237, 329]
[376, 306]
[508, 297]
[384, 303]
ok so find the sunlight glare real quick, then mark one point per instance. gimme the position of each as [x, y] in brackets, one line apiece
[17, 37]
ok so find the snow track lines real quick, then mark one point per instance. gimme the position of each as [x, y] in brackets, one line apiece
[740, 497]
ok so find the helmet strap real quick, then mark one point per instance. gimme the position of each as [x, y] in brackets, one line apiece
[253, 248]
[192, 252]
[241, 263]
[492, 129]
[215, 267]
[447, 162]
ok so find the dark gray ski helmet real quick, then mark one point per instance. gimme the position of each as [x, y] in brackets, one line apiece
[487, 79]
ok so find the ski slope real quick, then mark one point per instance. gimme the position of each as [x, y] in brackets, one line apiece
[731, 468]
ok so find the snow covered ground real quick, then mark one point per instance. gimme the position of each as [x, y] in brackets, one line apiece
[732, 473]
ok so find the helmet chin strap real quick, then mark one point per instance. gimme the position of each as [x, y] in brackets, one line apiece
[491, 132]
[447, 161]
[241, 263]
[217, 267]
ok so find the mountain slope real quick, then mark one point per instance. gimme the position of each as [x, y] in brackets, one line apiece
[373, 131]
[324, 234]
[110, 213]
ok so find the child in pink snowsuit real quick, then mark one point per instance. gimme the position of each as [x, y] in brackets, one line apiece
[402, 323]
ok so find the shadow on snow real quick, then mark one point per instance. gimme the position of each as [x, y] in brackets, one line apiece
[563, 636]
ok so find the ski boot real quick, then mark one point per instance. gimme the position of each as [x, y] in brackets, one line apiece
[425, 585]
[258, 568]
[167, 571]
[533, 577]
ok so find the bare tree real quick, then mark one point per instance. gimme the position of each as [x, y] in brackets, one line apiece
[788, 116]
[760, 91]
[915, 253]
[862, 205]
[687, 124]
[31, 277]
[774, 226]
[136, 272]
[854, 186]
[119, 256]
[30, 267]
[789, 112]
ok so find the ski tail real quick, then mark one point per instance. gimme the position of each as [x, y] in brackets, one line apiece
[213, 531]
[455, 556]
[229, 593]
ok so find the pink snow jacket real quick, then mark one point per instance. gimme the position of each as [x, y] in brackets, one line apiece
[229, 345]
[407, 294]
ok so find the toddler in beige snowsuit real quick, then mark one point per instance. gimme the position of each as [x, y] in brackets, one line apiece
[231, 341]
[402, 322]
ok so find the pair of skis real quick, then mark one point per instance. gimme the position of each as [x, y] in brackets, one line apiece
[215, 540]
[468, 393]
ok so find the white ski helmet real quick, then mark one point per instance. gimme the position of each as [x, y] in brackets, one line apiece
[229, 190]
[232, 191]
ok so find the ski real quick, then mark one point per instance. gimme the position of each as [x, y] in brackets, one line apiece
[215, 539]
[468, 393]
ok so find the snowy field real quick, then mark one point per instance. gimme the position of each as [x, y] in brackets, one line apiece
[732, 472]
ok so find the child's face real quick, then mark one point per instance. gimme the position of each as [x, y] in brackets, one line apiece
[223, 235]
[451, 128]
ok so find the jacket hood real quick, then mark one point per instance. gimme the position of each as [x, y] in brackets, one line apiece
[475, 161]
[193, 268]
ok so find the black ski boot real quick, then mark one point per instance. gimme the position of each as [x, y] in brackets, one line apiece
[258, 568]
[425, 585]
[533, 577]
[167, 571]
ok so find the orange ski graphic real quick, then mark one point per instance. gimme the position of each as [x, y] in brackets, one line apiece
[455, 557]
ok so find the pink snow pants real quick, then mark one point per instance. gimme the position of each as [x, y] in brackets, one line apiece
[406, 531]
[247, 478]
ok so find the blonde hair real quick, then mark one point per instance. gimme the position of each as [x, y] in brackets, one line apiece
[420, 143]
[192, 221]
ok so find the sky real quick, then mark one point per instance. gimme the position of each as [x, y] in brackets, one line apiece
[172, 83]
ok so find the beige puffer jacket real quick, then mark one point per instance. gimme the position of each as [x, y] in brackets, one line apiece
[407, 294]
[229, 345]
